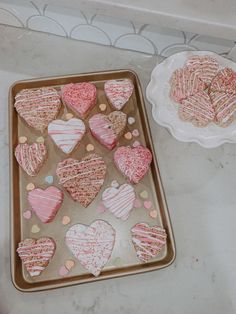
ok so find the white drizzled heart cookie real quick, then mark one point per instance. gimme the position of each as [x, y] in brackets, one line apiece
[36, 254]
[67, 134]
[118, 92]
[82, 179]
[45, 203]
[91, 245]
[31, 157]
[38, 107]
[107, 129]
[119, 200]
[147, 241]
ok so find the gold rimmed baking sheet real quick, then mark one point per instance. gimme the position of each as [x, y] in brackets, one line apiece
[123, 260]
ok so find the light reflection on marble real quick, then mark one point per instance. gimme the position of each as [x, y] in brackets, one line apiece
[200, 191]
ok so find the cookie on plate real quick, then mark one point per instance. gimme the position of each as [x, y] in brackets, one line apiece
[91, 245]
[206, 67]
[46, 203]
[38, 107]
[224, 81]
[108, 128]
[82, 179]
[36, 254]
[197, 109]
[148, 241]
[185, 83]
[31, 157]
[224, 105]
[80, 97]
[133, 162]
[118, 92]
[67, 134]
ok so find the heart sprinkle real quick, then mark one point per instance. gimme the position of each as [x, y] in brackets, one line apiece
[69, 116]
[63, 271]
[114, 184]
[103, 107]
[22, 139]
[40, 139]
[30, 187]
[147, 204]
[137, 203]
[135, 132]
[136, 144]
[131, 120]
[65, 220]
[153, 214]
[144, 194]
[128, 136]
[27, 214]
[90, 148]
[48, 179]
[69, 264]
[35, 229]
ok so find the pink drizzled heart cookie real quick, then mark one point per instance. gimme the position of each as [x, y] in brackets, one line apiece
[224, 81]
[82, 179]
[185, 83]
[224, 105]
[133, 162]
[80, 97]
[205, 67]
[147, 241]
[36, 254]
[91, 245]
[119, 200]
[46, 203]
[118, 92]
[31, 157]
[67, 134]
[107, 129]
[38, 107]
[197, 109]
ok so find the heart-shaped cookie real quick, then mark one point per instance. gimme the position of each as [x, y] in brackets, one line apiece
[81, 97]
[147, 241]
[91, 245]
[31, 157]
[82, 179]
[66, 134]
[118, 92]
[38, 107]
[45, 203]
[133, 162]
[36, 254]
[224, 105]
[107, 128]
[205, 67]
[224, 81]
[119, 201]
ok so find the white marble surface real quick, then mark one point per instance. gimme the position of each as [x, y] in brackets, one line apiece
[200, 191]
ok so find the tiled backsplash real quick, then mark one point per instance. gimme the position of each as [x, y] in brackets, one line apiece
[106, 30]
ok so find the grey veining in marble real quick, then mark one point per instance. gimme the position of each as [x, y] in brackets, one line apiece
[200, 191]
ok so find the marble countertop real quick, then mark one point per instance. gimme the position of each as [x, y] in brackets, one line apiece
[199, 186]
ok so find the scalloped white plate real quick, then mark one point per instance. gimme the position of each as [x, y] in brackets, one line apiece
[164, 110]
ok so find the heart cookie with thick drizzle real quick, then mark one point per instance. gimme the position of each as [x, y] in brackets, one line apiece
[108, 128]
[118, 92]
[133, 162]
[31, 157]
[80, 97]
[67, 134]
[147, 241]
[46, 203]
[36, 254]
[91, 245]
[38, 107]
[82, 179]
[119, 200]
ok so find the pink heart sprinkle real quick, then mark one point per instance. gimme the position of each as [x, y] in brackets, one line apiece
[101, 208]
[27, 214]
[63, 271]
[137, 203]
[147, 204]
[136, 144]
[135, 132]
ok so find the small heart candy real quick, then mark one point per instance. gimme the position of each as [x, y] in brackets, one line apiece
[49, 179]
[27, 214]
[147, 204]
